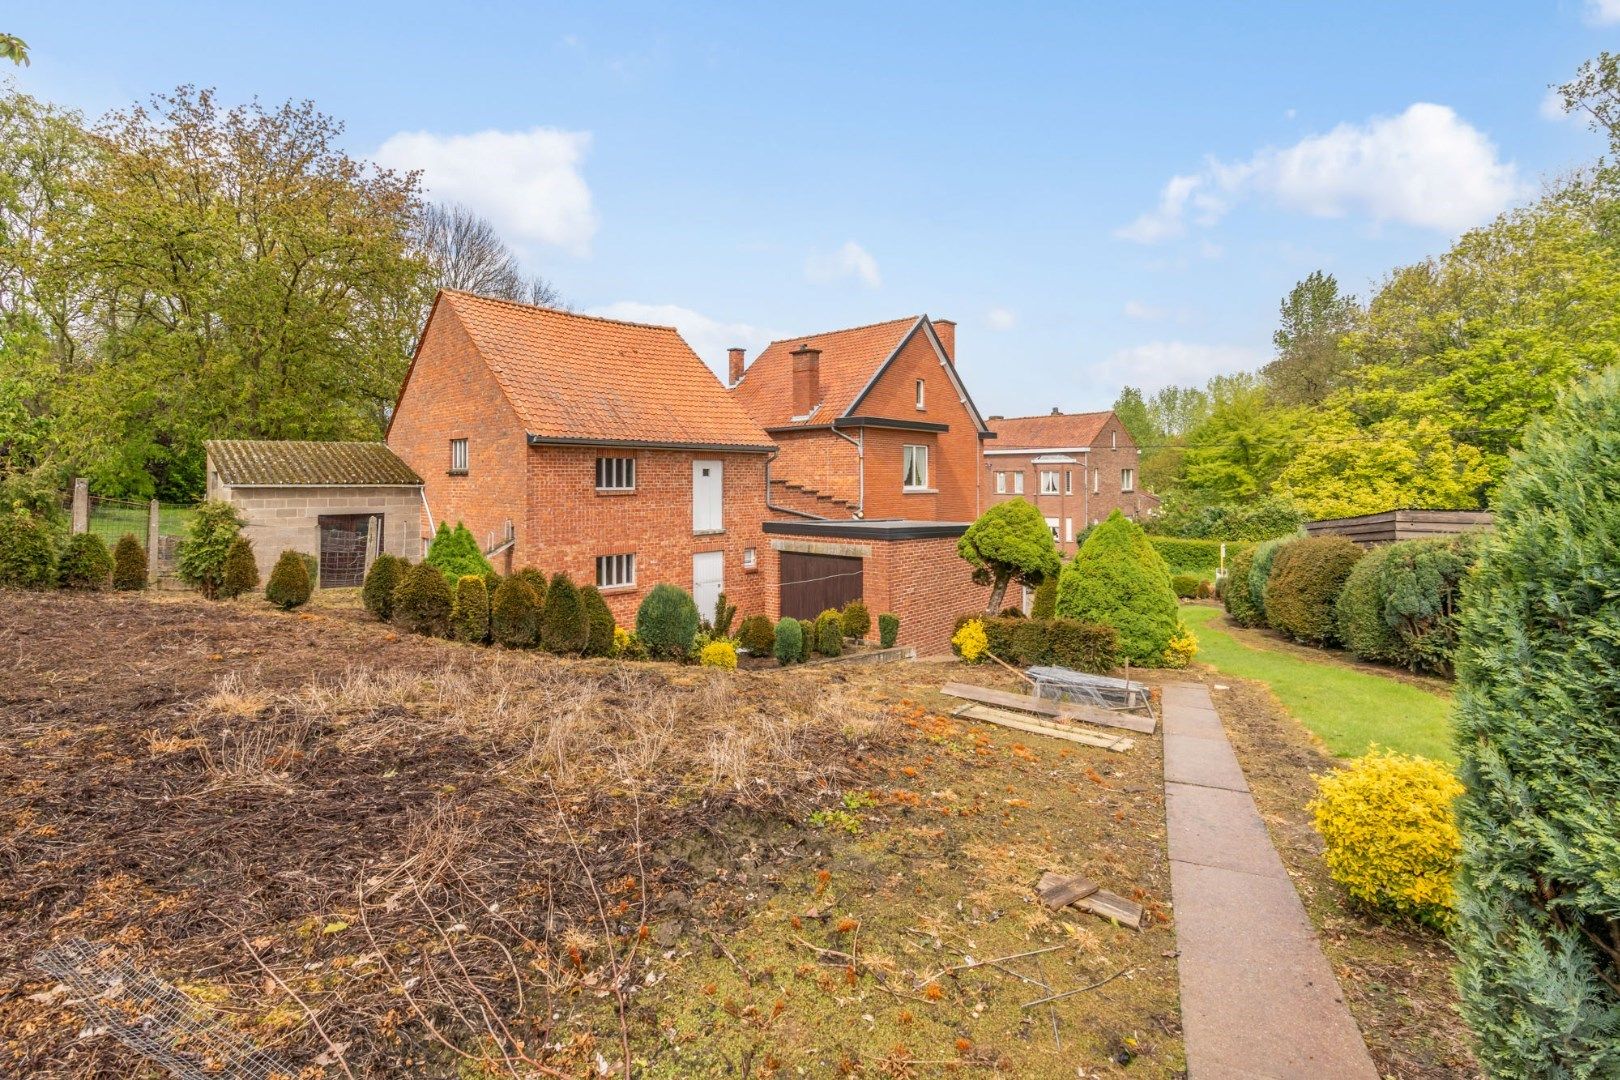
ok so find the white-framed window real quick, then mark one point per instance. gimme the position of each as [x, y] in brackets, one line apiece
[615, 571]
[921, 395]
[1052, 523]
[1001, 483]
[615, 474]
[1068, 528]
[750, 558]
[1018, 483]
[1127, 479]
[1068, 481]
[458, 455]
[914, 468]
[1113, 440]
[1096, 482]
[1049, 482]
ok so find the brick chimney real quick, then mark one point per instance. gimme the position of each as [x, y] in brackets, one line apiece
[806, 379]
[1056, 411]
[734, 356]
[946, 329]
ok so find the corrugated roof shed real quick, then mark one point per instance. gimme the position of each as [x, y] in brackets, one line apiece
[292, 463]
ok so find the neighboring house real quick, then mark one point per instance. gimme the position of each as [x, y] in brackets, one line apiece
[1077, 468]
[1387, 527]
[343, 502]
[602, 448]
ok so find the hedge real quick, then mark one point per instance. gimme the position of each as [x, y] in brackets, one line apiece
[1058, 642]
[87, 564]
[1306, 578]
[1260, 575]
[1359, 610]
[1200, 558]
[1186, 586]
[289, 585]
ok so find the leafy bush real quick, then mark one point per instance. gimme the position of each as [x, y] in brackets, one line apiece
[86, 563]
[807, 639]
[241, 571]
[289, 585]
[1421, 583]
[1539, 896]
[27, 551]
[1391, 839]
[1044, 603]
[564, 627]
[377, 593]
[1260, 576]
[1359, 611]
[1010, 541]
[1306, 579]
[756, 635]
[720, 654]
[970, 641]
[599, 640]
[1181, 650]
[129, 564]
[1117, 579]
[830, 633]
[422, 601]
[857, 620]
[789, 642]
[1235, 592]
[456, 553]
[469, 616]
[514, 613]
[200, 557]
[667, 621]
[889, 629]
[1185, 586]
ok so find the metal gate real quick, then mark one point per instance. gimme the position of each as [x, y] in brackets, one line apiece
[345, 543]
[813, 583]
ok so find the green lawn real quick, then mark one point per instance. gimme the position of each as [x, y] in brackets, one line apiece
[1349, 709]
[112, 521]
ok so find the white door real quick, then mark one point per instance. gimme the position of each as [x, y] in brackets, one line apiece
[707, 497]
[708, 580]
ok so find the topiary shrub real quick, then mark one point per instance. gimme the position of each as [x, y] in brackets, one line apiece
[27, 551]
[469, 616]
[1185, 586]
[1306, 578]
[514, 613]
[456, 553]
[789, 643]
[756, 635]
[1044, 603]
[1391, 838]
[564, 628]
[889, 627]
[129, 564]
[1359, 611]
[241, 571]
[289, 585]
[86, 563]
[720, 654]
[1260, 576]
[1421, 585]
[667, 621]
[1539, 897]
[377, 592]
[1235, 592]
[422, 601]
[807, 639]
[857, 620]
[1117, 579]
[200, 557]
[830, 633]
[599, 639]
[1010, 541]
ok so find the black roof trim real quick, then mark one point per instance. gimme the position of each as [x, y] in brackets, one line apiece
[886, 422]
[868, 530]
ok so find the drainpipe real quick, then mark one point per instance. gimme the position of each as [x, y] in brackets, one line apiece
[782, 509]
[432, 528]
[860, 468]
[1085, 491]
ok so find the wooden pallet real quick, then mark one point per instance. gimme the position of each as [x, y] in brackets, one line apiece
[1060, 710]
[1059, 890]
[1036, 726]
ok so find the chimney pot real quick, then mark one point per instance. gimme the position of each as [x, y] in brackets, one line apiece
[806, 379]
[734, 358]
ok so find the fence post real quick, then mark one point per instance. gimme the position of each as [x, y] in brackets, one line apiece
[152, 516]
[81, 504]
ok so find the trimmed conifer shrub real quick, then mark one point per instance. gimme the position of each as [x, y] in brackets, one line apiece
[1421, 585]
[422, 601]
[1044, 604]
[377, 593]
[1539, 896]
[200, 557]
[564, 629]
[455, 552]
[469, 616]
[1260, 576]
[788, 644]
[599, 622]
[538, 582]
[757, 635]
[807, 639]
[720, 654]
[857, 620]
[1118, 580]
[27, 551]
[514, 613]
[889, 625]
[1235, 593]
[241, 571]
[667, 621]
[830, 633]
[129, 564]
[1306, 578]
[1359, 611]
[289, 585]
[86, 563]
[1009, 542]
[724, 613]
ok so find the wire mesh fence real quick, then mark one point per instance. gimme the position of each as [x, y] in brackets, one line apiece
[112, 519]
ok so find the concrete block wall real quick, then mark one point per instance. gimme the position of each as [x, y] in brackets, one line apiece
[287, 519]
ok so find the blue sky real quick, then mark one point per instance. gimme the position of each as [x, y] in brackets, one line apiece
[1098, 196]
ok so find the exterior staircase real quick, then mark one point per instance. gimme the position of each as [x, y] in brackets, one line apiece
[802, 499]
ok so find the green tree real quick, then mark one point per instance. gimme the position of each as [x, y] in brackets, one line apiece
[1010, 541]
[1118, 580]
[200, 557]
[1238, 451]
[14, 48]
[456, 553]
[1312, 322]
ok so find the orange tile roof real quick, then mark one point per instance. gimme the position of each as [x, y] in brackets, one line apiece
[849, 359]
[581, 377]
[1046, 431]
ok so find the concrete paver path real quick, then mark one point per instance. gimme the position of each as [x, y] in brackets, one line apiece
[1258, 998]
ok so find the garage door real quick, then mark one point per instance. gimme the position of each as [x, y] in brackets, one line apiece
[813, 583]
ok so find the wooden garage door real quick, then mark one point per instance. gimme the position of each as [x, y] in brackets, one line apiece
[813, 583]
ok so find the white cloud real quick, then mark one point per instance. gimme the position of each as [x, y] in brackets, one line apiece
[1158, 364]
[1603, 12]
[1426, 166]
[709, 338]
[849, 261]
[528, 183]
[1001, 318]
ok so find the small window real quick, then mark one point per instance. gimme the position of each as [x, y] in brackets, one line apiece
[1068, 527]
[1127, 479]
[615, 474]
[1113, 440]
[1068, 481]
[1052, 523]
[750, 558]
[458, 456]
[1018, 483]
[1001, 483]
[615, 571]
[920, 395]
[1096, 482]
[1049, 482]
[914, 473]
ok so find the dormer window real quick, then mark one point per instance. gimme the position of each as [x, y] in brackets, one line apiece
[921, 392]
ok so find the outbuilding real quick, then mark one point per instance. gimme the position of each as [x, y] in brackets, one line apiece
[342, 502]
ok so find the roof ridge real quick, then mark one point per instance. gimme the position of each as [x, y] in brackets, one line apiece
[1048, 415]
[557, 310]
[845, 330]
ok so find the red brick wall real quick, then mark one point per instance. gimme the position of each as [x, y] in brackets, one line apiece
[885, 465]
[927, 584]
[819, 460]
[1111, 452]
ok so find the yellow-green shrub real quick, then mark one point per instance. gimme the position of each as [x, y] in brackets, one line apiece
[1391, 836]
[970, 641]
[1182, 648]
[720, 654]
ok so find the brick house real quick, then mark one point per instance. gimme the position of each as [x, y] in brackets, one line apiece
[1077, 468]
[601, 448]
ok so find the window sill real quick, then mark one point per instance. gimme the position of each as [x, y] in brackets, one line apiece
[456, 472]
[615, 491]
[750, 569]
[708, 532]
[609, 590]
[919, 491]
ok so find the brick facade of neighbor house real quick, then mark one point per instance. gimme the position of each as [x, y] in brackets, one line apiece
[1102, 473]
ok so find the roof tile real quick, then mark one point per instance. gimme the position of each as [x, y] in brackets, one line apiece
[1048, 431]
[849, 359]
[276, 462]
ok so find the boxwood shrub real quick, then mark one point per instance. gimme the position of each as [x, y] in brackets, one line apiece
[87, 564]
[1306, 578]
[129, 564]
[788, 643]
[289, 585]
[667, 621]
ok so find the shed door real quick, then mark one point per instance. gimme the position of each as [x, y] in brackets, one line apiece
[707, 496]
[708, 580]
[345, 541]
[813, 583]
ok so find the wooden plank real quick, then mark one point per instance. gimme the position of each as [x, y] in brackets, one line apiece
[1034, 726]
[1110, 906]
[1058, 890]
[1061, 710]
